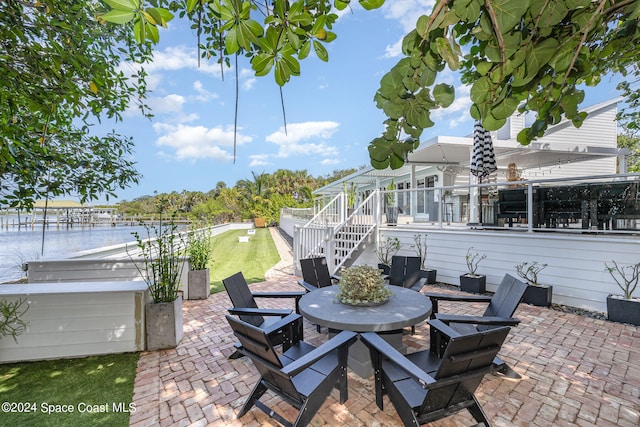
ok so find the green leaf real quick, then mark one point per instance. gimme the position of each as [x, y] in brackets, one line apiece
[191, 4]
[123, 5]
[491, 123]
[152, 33]
[541, 55]
[444, 94]
[371, 4]
[118, 16]
[320, 51]
[509, 13]
[304, 51]
[481, 90]
[393, 110]
[505, 108]
[231, 43]
[341, 5]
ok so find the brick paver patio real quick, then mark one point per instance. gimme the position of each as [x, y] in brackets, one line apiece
[576, 371]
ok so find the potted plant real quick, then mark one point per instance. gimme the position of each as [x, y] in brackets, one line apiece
[420, 248]
[351, 195]
[624, 308]
[536, 294]
[472, 281]
[199, 249]
[362, 285]
[385, 252]
[392, 209]
[161, 269]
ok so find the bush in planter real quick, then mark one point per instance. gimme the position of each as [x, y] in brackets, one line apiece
[385, 252]
[536, 294]
[161, 253]
[624, 308]
[362, 285]
[420, 248]
[472, 281]
[199, 248]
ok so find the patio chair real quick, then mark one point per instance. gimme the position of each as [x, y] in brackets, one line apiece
[269, 320]
[315, 274]
[405, 272]
[424, 387]
[302, 376]
[501, 307]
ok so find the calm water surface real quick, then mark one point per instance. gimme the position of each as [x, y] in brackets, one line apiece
[20, 245]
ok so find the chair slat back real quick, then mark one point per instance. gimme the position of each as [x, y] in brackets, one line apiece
[315, 271]
[257, 346]
[507, 297]
[405, 271]
[464, 355]
[240, 296]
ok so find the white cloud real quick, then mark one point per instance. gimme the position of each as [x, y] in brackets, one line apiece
[394, 50]
[196, 142]
[290, 143]
[202, 94]
[259, 160]
[407, 12]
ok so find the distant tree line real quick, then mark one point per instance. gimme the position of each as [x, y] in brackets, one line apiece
[263, 195]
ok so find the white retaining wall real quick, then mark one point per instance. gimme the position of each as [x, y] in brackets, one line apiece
[77, 319]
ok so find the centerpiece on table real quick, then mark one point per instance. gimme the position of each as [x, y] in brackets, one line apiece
[362, 285]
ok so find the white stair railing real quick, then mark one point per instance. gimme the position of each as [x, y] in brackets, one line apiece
[334, 234]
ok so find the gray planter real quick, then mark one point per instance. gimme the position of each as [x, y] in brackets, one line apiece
[163, 323]
[623, 310]
[476, 285]
[392, 216]
[430, 275]
[199, 284]
[539, 295]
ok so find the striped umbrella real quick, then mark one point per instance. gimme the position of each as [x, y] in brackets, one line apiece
[483, 160]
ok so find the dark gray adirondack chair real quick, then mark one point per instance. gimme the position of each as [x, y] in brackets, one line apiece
[270, 320]
[425, 387]
[405, 272]
[499, 312]
[315, 274]
[303, 376]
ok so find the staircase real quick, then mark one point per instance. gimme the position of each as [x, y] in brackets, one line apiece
[337, 234]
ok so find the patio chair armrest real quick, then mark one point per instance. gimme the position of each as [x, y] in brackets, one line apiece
[379, 345]
[292, 319]
[443, 328]
[335, 278]
[419, 285]
[457, 297]
[282, 312]
[308, 286]
[341, 341]
[288, 294]
[478, 320]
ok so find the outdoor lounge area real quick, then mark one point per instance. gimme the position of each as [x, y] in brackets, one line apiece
[576, 370]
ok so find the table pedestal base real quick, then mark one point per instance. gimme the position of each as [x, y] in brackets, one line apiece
[360, 357]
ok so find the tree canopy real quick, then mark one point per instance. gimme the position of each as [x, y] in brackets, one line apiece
[525, 55]
[59, 74]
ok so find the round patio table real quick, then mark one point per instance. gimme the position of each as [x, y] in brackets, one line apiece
[405, 308]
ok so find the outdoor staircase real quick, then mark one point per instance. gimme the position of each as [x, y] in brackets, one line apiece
[337, 234]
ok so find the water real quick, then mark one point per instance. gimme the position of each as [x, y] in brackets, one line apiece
[21, 245]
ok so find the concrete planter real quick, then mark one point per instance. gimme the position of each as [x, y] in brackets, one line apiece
[199, 284]
[623, 310]
[539, 295]
[476, 285]
[163, 323]
[430, 275]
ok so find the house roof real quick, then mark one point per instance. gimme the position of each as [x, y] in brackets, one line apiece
[456, 151]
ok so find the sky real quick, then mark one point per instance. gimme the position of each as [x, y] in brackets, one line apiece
[330, 113]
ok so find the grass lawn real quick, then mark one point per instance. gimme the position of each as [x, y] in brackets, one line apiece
[92, 391]
[253, 258]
